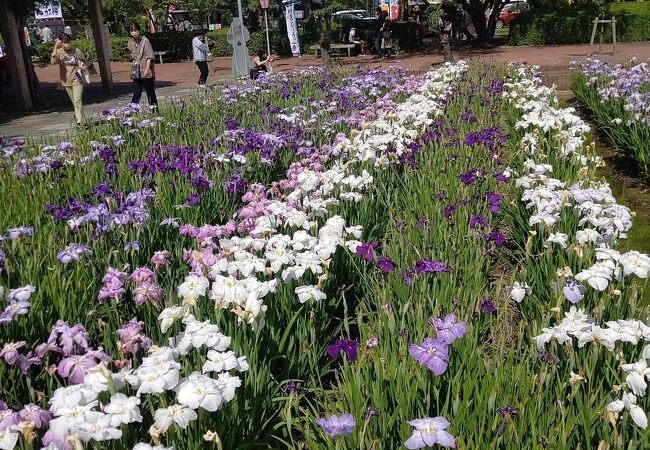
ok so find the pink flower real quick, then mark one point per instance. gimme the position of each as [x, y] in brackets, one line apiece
[161, 259]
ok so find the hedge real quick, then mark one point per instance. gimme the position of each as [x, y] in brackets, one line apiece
[118, 47]
[575, 27]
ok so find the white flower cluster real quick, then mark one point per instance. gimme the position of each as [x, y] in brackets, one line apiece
[79, 416]
[402, 126]
[549, 128]
[239, 279]
[577, 324]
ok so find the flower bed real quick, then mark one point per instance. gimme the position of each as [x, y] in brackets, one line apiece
[316, 260]
[617, 98]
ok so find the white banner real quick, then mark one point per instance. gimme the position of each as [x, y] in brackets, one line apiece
[292, 29]
[48, 10]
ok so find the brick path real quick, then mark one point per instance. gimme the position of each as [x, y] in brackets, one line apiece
[174, 79]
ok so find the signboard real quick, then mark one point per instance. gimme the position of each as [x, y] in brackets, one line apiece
[292, 29]
[48, 10]
[392, 6]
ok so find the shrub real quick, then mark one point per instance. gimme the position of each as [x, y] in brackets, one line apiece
[573, 27]
[118, 49]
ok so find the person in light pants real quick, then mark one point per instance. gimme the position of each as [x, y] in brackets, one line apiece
[71, 63]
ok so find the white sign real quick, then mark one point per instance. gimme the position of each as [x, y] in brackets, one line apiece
[292, 29]
[300, 14]
[49, 10]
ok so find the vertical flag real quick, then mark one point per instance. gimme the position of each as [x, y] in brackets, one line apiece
[292, 29]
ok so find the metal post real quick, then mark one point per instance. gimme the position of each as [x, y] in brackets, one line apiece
[614, 32]
[241, 15]
[268, 41]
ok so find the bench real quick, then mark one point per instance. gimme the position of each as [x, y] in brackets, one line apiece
[348, 47]
[159, 55]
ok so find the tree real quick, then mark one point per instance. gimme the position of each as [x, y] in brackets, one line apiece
[484, 14]
[13, 18]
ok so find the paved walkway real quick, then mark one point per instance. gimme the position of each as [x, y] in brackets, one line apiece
[177, 79]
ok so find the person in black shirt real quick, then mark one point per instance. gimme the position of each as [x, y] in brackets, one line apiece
[379, 30]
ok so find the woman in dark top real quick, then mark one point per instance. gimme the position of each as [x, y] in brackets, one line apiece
[259, 63]
[378, 32]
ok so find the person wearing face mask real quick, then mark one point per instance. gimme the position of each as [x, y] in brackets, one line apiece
[71, 63]
[142, 67]
[200, 52]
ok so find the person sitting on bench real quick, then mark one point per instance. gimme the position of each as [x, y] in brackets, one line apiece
[355, 39]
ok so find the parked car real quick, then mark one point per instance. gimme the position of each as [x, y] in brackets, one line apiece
[353, 14]
[509, 12]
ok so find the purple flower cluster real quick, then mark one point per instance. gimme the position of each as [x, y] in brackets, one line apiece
[114, 210]
[38, 416]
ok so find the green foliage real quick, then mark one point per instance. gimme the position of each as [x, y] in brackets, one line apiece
[118, 48]
[178, 45]
[406, 35]
[573, 27]
[629, 7]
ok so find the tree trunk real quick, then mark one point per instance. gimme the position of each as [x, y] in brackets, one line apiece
[23, 77]
[326, 39]
[102, 45]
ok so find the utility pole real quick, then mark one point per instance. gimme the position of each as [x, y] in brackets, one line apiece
[241, 14]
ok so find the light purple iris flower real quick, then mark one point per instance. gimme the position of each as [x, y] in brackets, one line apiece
[35, 414]
[573, 291]
[75, 367]
[429, 431]
[433, 353]
[448, 329]
[335, 426]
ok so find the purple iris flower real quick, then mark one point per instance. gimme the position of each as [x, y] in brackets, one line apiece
[478, 220]
[366, 250]
[448, 329]
[449, 210]
[573, 291]
[486, 306]
[132, 245]
[35, 414]
[75, 367]
[469, 177]
[433, 353]
[346, 345]
[385, 264]
[428, 266]
[408, 277]
[335, 426]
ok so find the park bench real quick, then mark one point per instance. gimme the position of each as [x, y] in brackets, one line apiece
[159, 55]
[343, 47]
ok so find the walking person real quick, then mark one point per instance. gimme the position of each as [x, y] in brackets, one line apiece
[72, 62]
[46, 35]
[142, 67]
[200, 52]
[379, 31]
[386, 35]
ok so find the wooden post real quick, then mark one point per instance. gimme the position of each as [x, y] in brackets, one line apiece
[593, 31]
[102, 44]
[13, 37]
